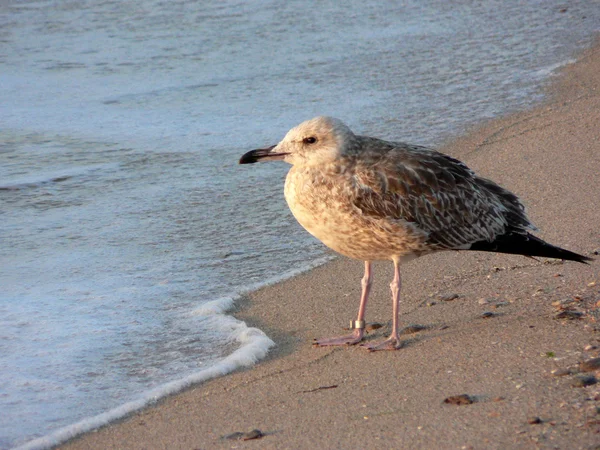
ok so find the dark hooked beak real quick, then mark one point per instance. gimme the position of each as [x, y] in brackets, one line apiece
[262, 154]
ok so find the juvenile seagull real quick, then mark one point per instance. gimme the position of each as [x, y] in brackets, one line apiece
[370, 199]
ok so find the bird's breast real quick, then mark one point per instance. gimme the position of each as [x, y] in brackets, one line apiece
[323, 203]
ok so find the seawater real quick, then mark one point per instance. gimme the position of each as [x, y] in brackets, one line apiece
[127, 229]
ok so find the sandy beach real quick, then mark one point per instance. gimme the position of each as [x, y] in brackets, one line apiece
[507, 331]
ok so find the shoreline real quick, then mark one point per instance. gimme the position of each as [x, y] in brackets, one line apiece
[395, 399]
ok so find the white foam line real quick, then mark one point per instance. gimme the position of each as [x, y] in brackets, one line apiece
[552, 70]
[255, 346]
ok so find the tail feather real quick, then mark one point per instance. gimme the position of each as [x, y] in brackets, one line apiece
[528, 245]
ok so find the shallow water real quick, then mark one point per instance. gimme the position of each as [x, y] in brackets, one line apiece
[126, 224]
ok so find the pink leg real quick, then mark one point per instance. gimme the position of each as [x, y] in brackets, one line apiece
[358, 333]
[393, 342]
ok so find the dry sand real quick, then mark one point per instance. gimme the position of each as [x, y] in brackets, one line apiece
[550, 157]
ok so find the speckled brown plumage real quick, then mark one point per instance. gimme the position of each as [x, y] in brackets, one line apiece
[371, 199]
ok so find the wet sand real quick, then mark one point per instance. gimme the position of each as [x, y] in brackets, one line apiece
[514, 322]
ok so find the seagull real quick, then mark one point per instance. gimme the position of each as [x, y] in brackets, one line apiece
[370, 199]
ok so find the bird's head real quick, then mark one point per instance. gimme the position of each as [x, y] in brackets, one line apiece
[317, 141]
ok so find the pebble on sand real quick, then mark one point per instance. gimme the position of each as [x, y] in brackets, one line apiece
[244, 436]
[590, 365]
[562, 372]
[584, 380]
[462, 399]
[449, 297]
[568, 315]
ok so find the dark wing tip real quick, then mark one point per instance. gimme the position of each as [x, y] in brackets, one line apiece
[528, 245]
[585, 259]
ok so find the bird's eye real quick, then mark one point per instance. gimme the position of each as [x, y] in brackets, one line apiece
[309, 140]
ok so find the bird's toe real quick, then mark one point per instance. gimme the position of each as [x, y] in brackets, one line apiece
[393, 343]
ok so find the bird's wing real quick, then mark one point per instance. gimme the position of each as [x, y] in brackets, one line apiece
[438, 194]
